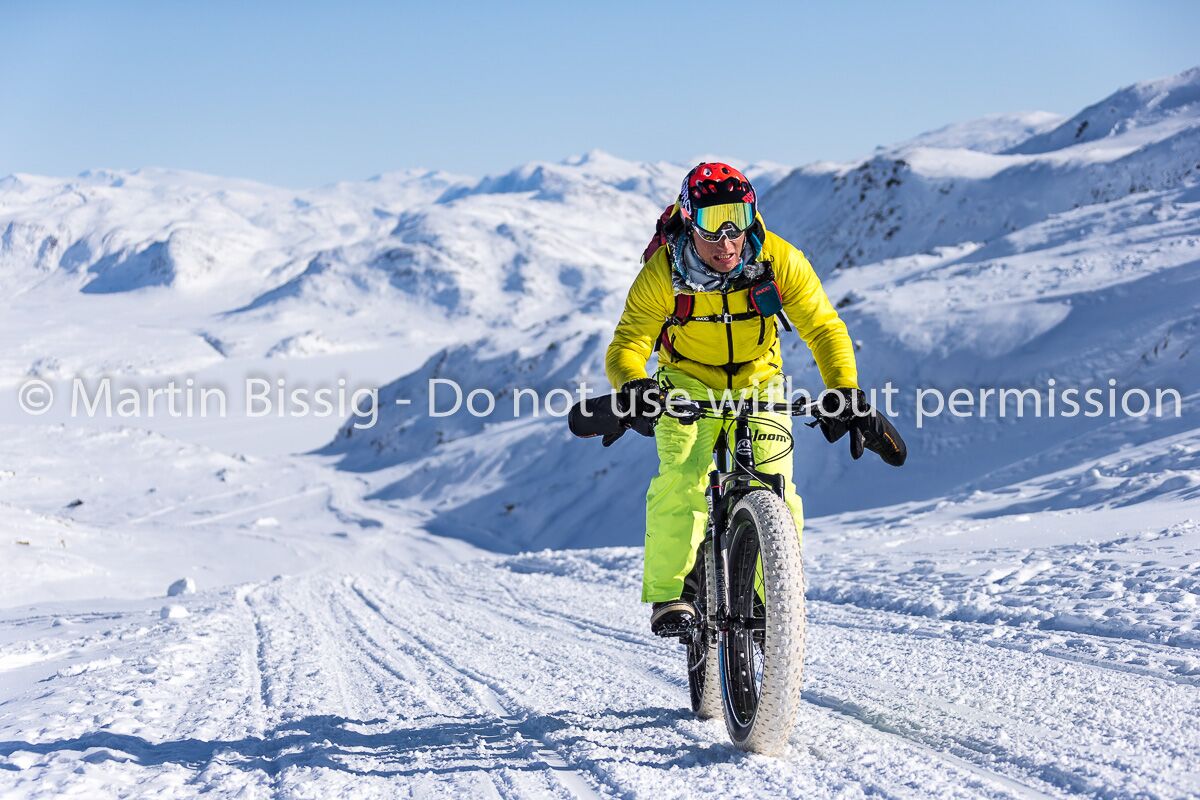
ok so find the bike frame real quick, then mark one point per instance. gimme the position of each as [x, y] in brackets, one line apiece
[734, 475]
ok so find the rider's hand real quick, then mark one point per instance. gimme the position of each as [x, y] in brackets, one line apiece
[640, 402]
[847, 410]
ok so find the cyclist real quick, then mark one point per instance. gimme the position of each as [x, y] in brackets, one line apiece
[713, 285]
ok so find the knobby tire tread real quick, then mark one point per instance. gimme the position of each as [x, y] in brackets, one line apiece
[710, 697]
[783, 670]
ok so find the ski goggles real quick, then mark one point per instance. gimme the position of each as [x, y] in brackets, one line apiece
[713, 222]
[727, 232]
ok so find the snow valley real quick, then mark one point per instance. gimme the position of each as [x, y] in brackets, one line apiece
[423, 603]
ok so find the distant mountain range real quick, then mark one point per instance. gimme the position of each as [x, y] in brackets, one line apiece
[999, 252]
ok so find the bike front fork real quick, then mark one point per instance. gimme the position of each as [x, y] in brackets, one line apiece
[718, 616]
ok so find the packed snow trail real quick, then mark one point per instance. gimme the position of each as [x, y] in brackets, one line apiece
[535, 676]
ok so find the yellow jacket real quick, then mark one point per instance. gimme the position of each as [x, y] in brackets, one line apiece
[703, 348]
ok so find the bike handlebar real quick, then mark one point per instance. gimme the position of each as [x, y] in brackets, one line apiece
[692, 410]
[878, 435]
[601, 416]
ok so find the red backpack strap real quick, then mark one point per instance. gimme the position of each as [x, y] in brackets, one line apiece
[684, 305]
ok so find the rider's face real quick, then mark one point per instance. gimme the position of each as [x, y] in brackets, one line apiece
[722, 256]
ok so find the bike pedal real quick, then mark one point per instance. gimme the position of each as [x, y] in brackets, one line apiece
[681, 631]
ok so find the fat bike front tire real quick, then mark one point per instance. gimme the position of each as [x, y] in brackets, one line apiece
[762, 655]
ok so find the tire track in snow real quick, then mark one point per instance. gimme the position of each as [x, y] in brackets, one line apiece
[613, 638]
[1023, 718]
[840, 707]
[411, 673]
[491, 696]
[304, 653]
[397, 690]
[1004, 730]
[880, 727]
[260, 675]
[571, 779]
[606, 633]
[651, 653]
[260, 644]
[290, 684]
[650, 660]
[618, 641]
[1112, 666]
[255, 507]
[938, 628]
[406, 678]
[177, 506]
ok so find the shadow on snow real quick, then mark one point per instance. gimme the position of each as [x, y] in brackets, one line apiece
[446, 746]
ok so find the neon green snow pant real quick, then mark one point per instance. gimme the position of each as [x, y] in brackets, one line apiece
[676, 507]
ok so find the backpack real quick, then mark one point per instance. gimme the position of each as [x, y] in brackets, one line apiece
[668, 224]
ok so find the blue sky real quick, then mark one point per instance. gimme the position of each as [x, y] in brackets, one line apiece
[302, 94]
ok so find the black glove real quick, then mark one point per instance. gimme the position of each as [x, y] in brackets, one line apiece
[640, 403]
[845, 411]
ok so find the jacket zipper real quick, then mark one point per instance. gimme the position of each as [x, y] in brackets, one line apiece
[728, 337]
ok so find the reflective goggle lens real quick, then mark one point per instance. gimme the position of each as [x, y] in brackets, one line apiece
[727, 232]
[740, 215]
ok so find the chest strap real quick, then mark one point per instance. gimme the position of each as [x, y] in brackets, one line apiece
[685, 303]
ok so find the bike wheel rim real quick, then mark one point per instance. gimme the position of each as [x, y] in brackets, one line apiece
[742, 659]
[697, 647]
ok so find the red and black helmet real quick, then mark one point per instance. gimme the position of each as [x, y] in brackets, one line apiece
[711, 184]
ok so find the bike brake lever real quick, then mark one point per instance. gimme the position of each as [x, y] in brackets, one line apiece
[690, 414]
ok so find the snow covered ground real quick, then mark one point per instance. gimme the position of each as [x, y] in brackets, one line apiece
[276, 606]
[534, 676]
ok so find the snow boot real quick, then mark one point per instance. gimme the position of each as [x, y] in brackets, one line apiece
[671, 618]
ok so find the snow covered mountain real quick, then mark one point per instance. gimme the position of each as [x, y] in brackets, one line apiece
[994, 133]
[1081, 282]
[944, 190]
[1012, 254]
[1012, 614]
[109, 231]
[259, 271]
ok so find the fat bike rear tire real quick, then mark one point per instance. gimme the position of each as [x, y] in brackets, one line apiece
[704, 680]
[762, 663]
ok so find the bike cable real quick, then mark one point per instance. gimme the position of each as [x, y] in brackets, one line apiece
[771, 423]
